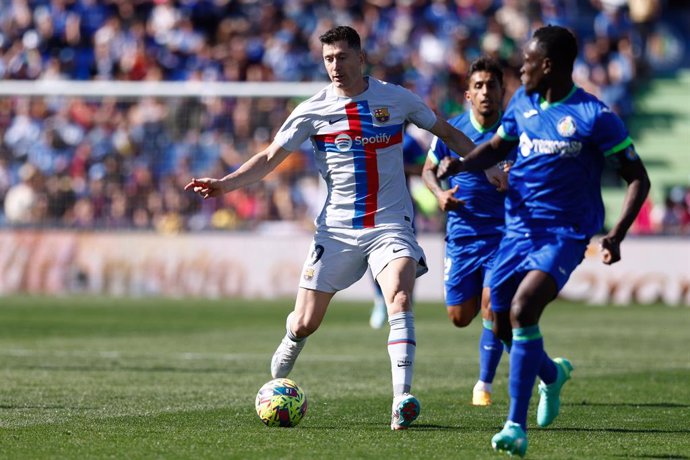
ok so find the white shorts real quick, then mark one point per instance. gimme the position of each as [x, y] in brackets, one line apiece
[338, 257]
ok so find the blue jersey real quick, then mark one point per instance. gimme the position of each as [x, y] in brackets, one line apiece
[555, 182]
[413, 153]
[483, 213]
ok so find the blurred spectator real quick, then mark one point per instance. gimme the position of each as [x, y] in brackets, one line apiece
[120, 163]
[22, 201]
[643, 14]
[673, 217]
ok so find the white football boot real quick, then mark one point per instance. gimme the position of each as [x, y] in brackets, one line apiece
[286, 354]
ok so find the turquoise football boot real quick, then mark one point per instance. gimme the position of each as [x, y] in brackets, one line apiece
[550, 395]
[511, 439]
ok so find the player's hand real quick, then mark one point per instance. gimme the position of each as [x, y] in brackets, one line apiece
[447, 167]
[610, 249]
[205, 187]
[498, 177]
[447, 200]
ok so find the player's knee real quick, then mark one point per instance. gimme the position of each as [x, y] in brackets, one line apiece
[459, 316]
[502, 327]
[521, 315]
[402, 301]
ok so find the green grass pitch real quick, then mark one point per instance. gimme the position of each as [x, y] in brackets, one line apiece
[151, 378]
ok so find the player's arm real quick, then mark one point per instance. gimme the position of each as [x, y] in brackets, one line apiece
[446, 198]
[457, 141]
[253, 170]
[484, 156]
[634, 173]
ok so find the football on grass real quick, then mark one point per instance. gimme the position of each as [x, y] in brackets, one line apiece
[281, 402]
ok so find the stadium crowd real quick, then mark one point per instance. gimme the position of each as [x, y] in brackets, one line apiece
[121, 164]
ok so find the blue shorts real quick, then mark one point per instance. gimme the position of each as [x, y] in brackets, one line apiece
[517, 255]
[467, 267]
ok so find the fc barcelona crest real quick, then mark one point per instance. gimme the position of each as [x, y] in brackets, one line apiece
[382, 115]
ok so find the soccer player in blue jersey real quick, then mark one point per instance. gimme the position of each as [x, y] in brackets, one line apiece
[553, 207]
[475, 221]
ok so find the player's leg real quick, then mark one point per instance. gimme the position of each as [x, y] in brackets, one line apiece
[310, 308]
[551, 266]
[490, 352]
[507, 274]
[533, 293]
[397, 282]
[527, 354]
[490, 348]
[334, 263]
[462, 281]
[462, 314]
[379, 313]
[396, 259]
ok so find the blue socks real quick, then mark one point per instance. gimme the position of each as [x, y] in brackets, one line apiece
[527, 360]
[490, 351]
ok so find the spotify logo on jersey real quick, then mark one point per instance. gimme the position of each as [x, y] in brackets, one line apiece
[343, 142]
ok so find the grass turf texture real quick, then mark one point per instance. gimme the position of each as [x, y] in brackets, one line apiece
[96, 378]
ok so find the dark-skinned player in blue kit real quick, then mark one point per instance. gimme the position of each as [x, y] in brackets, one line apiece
[553, 208]
[475, 220]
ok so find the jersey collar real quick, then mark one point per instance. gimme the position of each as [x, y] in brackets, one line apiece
[482, 129]
[544, 104]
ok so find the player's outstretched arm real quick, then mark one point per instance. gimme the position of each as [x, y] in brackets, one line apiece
[446, 198]
[253, 170]
[482, 157]
[633, 171]
[455, 139]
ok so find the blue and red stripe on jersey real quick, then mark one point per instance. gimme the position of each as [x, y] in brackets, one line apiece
[364, 156]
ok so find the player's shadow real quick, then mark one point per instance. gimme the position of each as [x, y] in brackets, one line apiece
[115, 367]
[41, 406]
[616, 430]
[415, 427]
[665, 456]
[652, 405]
[436, 427]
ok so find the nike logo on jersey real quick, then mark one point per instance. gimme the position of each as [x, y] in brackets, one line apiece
[530, 113]
[330, 122]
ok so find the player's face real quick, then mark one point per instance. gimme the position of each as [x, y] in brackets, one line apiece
[344, 67]
[532, 72]
[484, 93]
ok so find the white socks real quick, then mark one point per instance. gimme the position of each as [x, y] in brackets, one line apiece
[401, 349]
[482, 386]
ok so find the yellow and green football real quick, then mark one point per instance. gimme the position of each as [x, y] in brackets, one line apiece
[281, 402]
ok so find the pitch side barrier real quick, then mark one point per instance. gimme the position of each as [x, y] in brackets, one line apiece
[218, 265]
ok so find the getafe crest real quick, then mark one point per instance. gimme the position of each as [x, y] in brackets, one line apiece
[382, 115]
[566, 126]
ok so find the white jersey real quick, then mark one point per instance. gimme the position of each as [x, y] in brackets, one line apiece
[358, 148]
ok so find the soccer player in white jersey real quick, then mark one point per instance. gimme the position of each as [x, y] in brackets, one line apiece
[355, 125]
